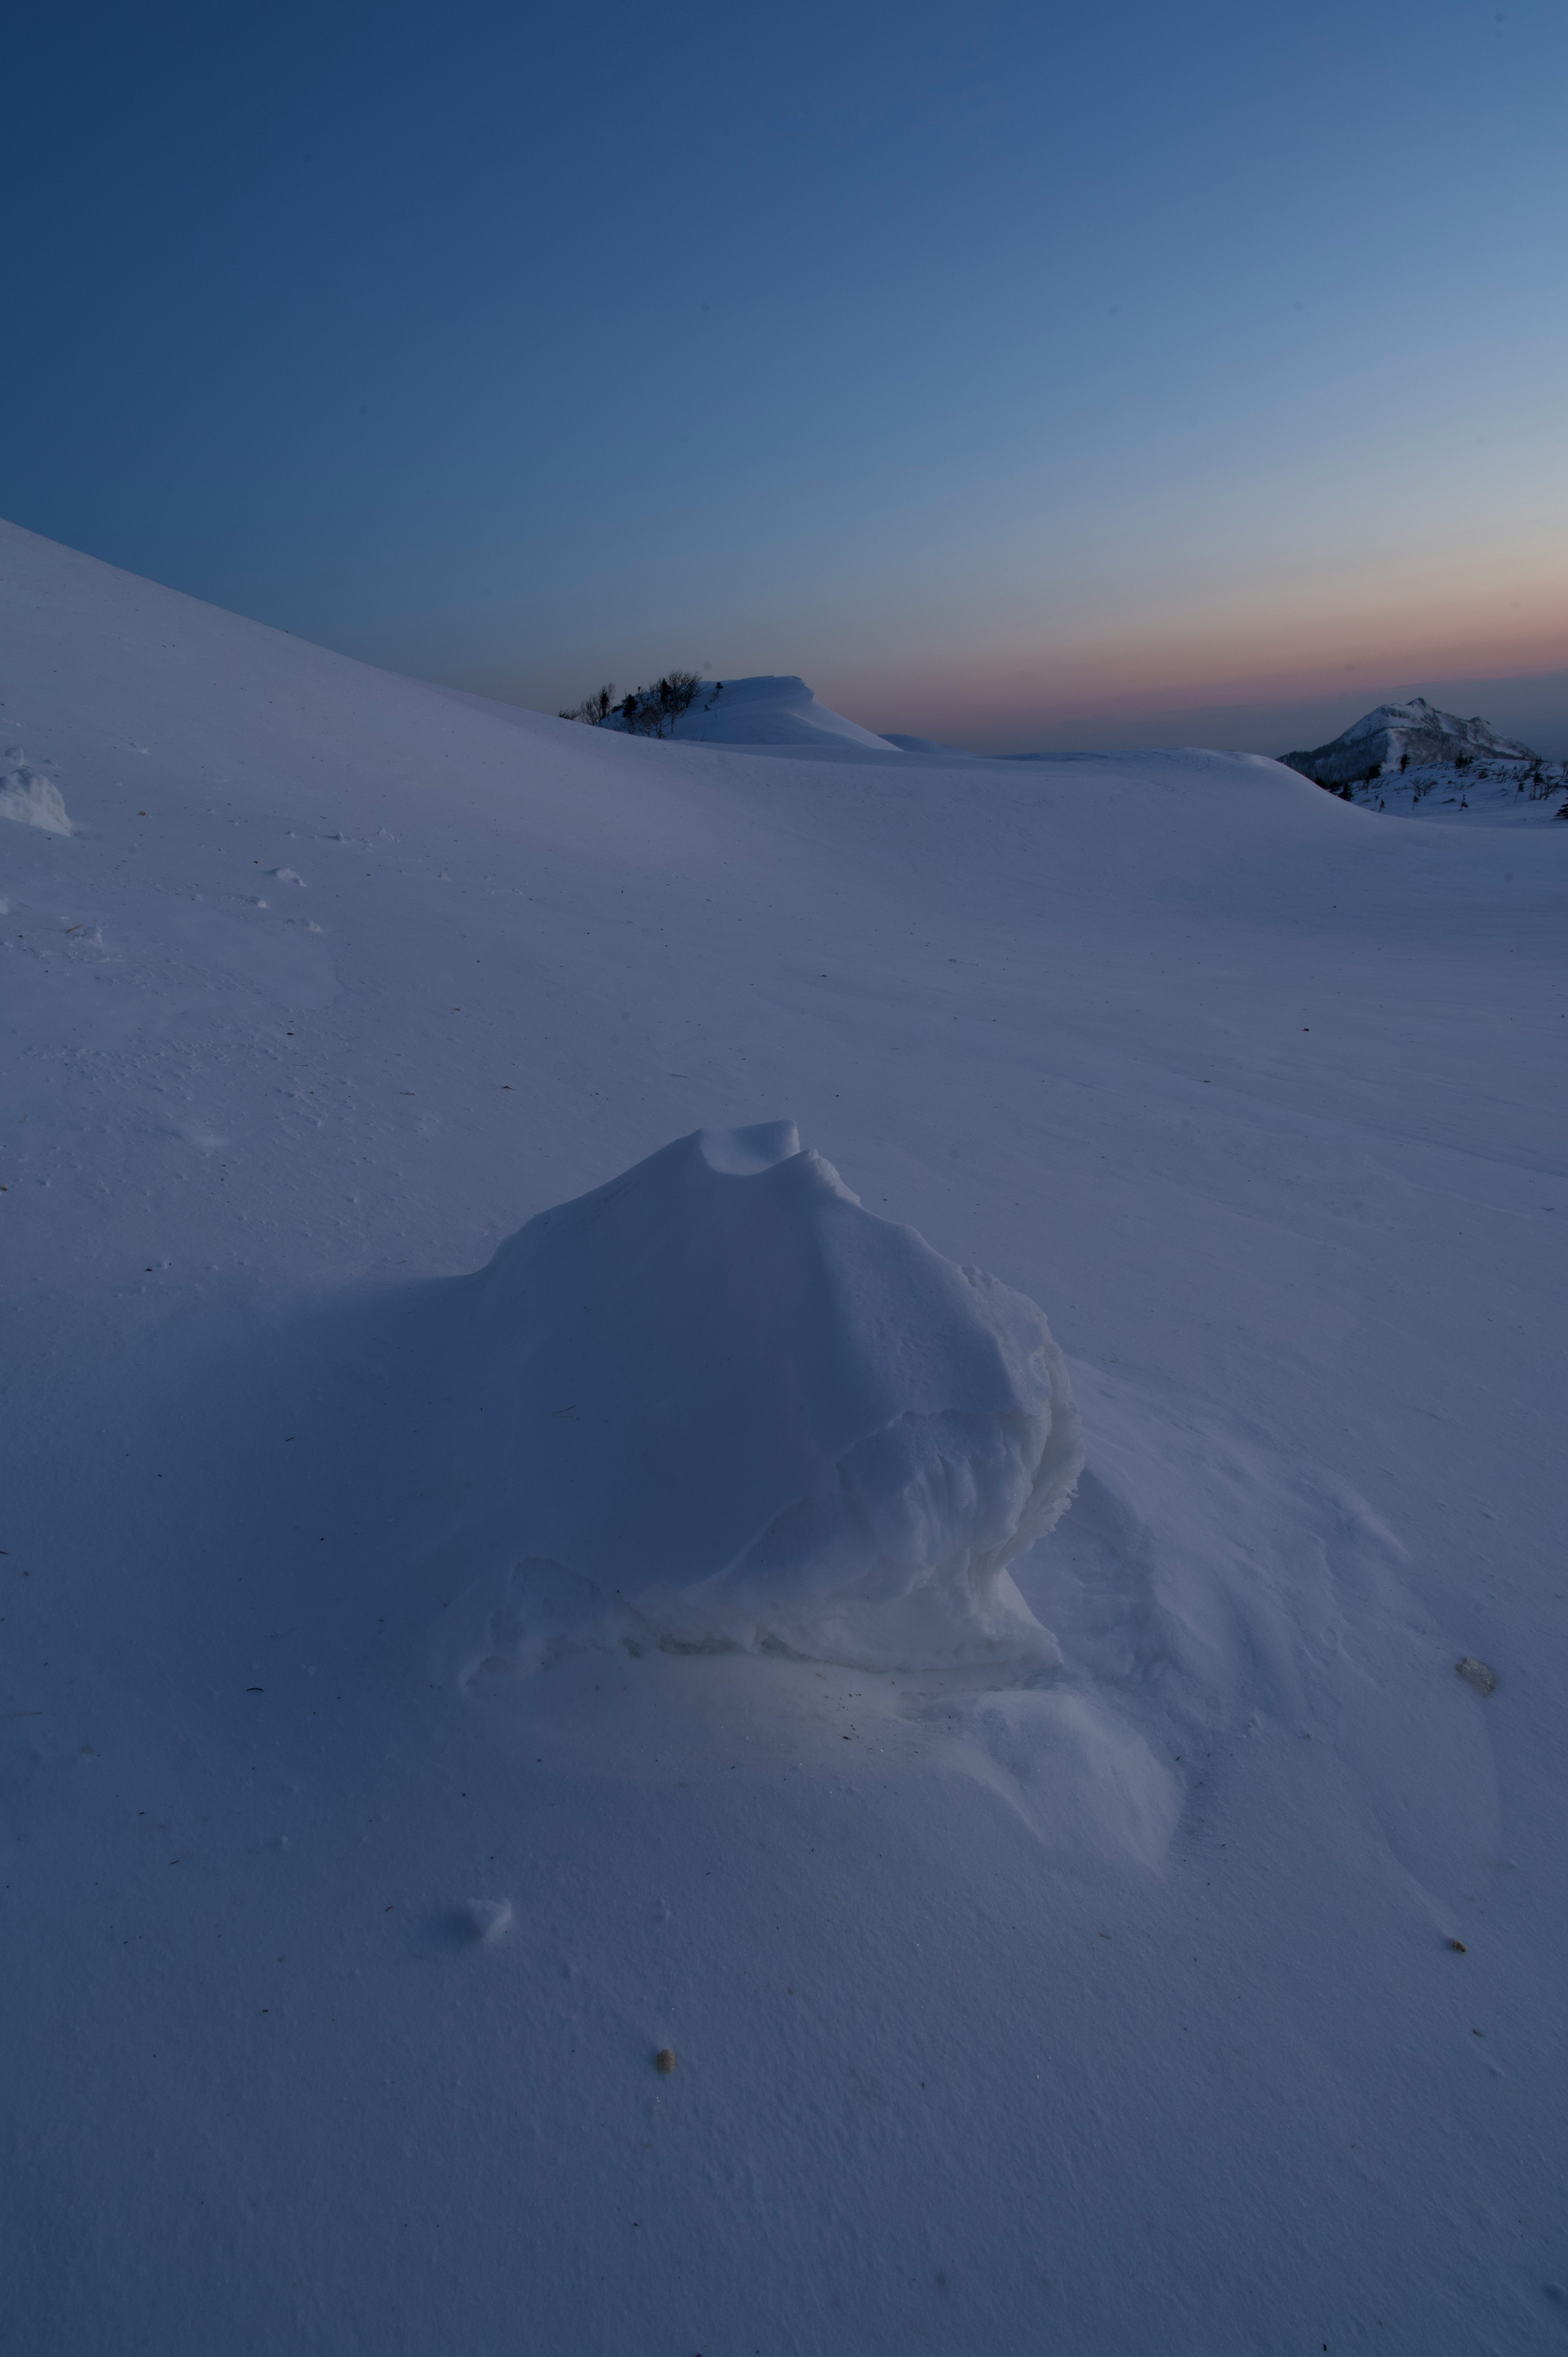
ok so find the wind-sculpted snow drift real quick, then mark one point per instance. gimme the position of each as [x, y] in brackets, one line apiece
[736, 1409]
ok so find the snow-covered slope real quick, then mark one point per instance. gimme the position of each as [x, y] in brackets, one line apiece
[403, 1238]
[1485, 793]
[1416, 732]
[932, 747]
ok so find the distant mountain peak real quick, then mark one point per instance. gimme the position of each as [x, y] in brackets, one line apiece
[1416, 731]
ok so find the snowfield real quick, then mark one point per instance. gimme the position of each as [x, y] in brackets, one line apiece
[1499, 794]
[519, 1562]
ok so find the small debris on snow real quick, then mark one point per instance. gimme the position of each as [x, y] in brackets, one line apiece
[1477, 1674]
[1458, 1947]
[664, 2061]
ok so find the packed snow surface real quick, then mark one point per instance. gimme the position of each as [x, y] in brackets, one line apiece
[510, 1569]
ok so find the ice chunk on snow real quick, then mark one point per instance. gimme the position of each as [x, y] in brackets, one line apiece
[740, 1409]
[34, 801]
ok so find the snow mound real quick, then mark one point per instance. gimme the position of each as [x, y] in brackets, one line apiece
[738, 1410]
[487, 1918]
[771, 710]
[33, 800]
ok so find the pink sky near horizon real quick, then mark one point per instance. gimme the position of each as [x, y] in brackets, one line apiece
[1265, 668]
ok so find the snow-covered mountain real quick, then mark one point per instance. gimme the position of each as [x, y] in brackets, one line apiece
[519, 1562]
[1416, 732]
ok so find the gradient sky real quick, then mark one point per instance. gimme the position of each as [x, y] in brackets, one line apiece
[1025, 376]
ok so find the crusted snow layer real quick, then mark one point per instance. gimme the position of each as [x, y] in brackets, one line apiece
[739, 1407]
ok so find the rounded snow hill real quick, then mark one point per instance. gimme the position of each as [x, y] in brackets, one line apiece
[772, 711]
[741, 1409]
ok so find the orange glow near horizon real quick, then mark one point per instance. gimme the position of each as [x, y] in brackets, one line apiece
[1275, 651]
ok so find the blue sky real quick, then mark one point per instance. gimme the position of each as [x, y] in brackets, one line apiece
[1023, 375]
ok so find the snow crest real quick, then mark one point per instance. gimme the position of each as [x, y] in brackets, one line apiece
[739, 1411]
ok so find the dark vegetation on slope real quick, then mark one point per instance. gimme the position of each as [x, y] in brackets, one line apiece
[647, 711]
